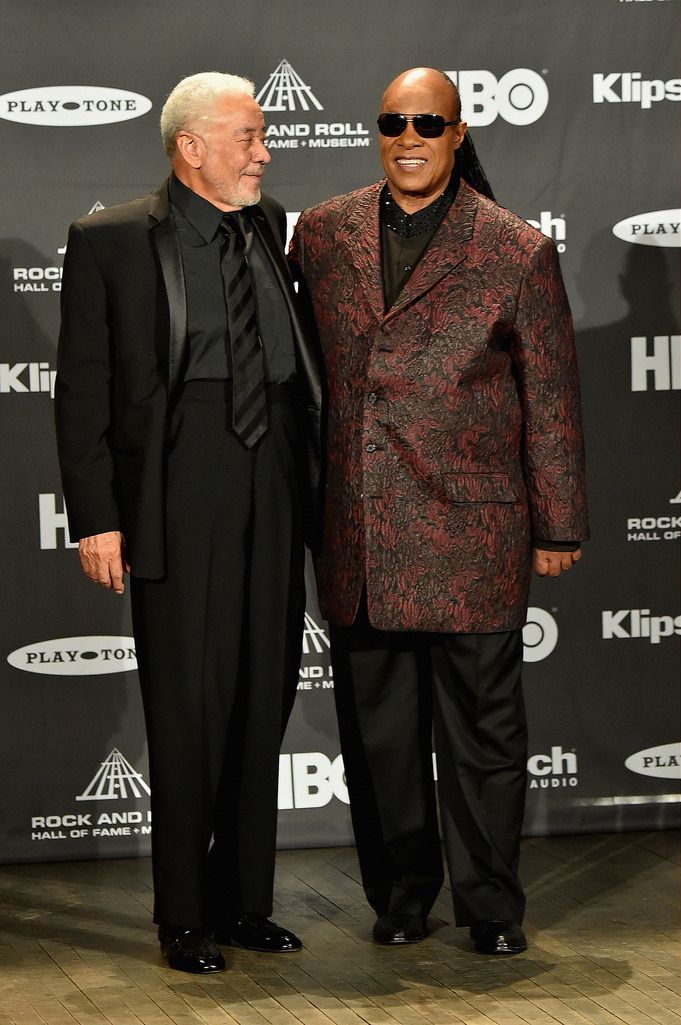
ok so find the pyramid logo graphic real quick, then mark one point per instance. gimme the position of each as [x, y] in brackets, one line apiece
[314, 638]
[115, 778]
[285, 90]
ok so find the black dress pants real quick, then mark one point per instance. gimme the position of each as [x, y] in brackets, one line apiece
[218, 643]
[391, 688]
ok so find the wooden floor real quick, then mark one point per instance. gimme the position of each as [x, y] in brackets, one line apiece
[76, 945]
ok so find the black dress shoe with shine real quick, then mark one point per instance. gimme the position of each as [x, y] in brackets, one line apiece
[190, 950]
[491, 937]
[393, 929]
[256, 932]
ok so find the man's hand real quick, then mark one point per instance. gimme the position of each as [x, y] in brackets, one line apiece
[552, 564]
[102, 557]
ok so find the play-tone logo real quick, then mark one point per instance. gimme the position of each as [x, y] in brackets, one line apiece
[663, 762]
[72, 105]
[285, 90]
[656, 228]
[76, 656]
[520, 96]
[540, 635]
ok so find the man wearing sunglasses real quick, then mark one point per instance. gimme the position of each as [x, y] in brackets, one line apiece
[455, 462]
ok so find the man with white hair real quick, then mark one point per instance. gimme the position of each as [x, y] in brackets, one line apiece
[187, 409]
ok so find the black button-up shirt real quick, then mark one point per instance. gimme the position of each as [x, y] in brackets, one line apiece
[196, 222]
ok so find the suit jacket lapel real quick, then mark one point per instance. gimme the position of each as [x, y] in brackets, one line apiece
[447, 248]
[302, 333]
[267, 234]
[360, 236]
[166, 242]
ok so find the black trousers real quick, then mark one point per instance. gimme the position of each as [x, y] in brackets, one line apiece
[218, 643]
[391, 689]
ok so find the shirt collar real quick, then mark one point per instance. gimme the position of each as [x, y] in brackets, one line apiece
[201, 214]
[427, 219]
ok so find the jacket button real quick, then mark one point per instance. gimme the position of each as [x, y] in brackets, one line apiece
[371, 447]
[373, 397]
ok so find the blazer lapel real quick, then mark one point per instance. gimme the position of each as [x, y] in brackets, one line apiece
[360, 236]
[166, 242]
[447, 248]
[302, 333]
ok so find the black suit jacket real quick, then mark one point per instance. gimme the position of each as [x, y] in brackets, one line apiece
[122, 350]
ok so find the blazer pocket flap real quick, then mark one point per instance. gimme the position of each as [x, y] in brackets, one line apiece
[480, 487]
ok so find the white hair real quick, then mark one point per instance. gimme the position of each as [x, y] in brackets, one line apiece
[193, 98]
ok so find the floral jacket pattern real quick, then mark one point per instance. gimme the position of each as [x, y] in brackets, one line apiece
[454, 434]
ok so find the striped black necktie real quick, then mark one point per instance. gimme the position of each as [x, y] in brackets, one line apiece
[249, 411]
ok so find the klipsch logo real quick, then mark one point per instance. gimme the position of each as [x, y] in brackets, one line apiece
[76, 656]
[663, 762]
[632, 87]
[628, 623]
[66, 106]
[285, 92]
[27, 377]
[657, 228]
[552, 227]
[540, 635]
[520, 96]
[550, 771]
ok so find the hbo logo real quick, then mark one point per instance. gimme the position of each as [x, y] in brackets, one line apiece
[520, 96]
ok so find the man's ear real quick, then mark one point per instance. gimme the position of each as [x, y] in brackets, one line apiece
[190, 148]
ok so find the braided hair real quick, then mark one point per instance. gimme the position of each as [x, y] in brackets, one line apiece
[469, 165]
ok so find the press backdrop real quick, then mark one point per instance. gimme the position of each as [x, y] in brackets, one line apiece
[574, 107]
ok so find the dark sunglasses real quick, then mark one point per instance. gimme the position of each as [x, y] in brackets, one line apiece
[428, 126]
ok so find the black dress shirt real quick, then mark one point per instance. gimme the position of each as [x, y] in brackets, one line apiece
[196, 221]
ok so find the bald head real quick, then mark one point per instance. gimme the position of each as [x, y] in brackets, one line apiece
[419, 167]
[433, 85]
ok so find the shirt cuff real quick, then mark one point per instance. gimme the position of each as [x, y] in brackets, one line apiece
[558, 546]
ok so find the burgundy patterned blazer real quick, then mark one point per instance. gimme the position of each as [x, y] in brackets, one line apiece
[454, 435]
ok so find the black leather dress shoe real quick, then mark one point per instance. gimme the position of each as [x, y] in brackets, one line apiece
[190, 950]
[393, 929]
[256, 932]
[492, 937]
